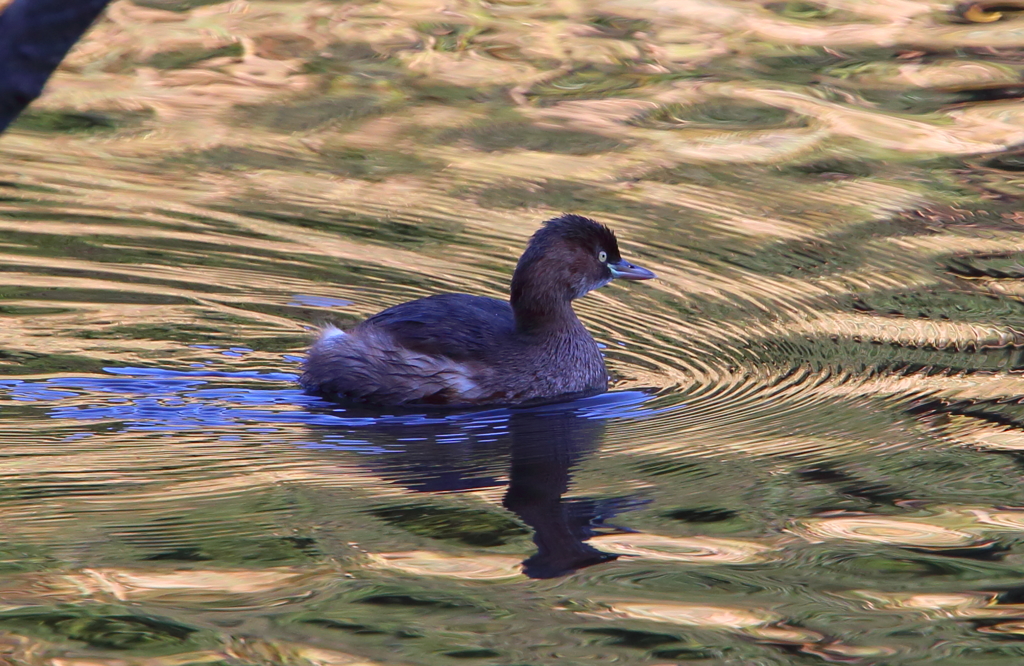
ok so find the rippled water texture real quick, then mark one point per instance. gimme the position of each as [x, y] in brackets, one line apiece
[814, 447]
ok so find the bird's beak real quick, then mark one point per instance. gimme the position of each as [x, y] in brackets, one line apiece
[623, 270]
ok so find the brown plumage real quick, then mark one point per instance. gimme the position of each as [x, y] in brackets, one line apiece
[458, 349]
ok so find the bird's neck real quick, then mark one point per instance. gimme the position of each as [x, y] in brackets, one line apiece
[538, 308]
[540, 294]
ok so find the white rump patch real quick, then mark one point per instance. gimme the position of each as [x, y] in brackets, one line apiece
[367, 361]
[331, 331]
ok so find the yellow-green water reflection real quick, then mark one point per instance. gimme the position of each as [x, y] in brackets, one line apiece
[813, 453]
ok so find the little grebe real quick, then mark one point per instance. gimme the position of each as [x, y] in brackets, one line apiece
[457, 349]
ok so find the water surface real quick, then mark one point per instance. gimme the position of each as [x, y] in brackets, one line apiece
[812, 452]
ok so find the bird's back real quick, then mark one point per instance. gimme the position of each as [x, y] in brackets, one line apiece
[429, 351]
[459, 326]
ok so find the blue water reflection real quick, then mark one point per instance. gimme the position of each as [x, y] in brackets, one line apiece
[161, 399]
[536, 448]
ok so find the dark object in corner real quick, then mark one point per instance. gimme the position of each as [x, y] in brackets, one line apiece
[35, 35]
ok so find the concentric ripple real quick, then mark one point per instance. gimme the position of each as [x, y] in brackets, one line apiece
[693, 550]
[811, 448]
[878, 529]
[696, 615]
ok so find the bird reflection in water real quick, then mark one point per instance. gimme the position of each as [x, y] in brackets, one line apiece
[541, 446]
[546, 446]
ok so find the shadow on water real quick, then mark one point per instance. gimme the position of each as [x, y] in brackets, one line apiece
[545, 448]
[435, 452]
[539, 446]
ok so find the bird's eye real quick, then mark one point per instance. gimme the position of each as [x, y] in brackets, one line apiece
[602, 256]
